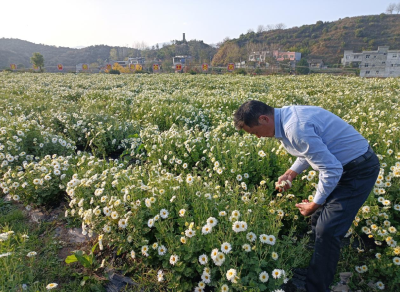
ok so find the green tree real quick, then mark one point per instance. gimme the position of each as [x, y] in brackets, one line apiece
[37, 60]
[114, 54]
[302, 67]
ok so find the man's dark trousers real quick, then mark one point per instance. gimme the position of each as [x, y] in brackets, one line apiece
[331, 222]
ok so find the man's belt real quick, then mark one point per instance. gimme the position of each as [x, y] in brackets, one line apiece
[367, 155]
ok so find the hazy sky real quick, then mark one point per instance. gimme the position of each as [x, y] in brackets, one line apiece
[74, 23]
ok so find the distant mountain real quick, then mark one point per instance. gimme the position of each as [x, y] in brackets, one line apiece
[15, 51]
[19, 52]
[323, 40]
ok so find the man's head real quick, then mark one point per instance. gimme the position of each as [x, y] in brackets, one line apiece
[255, 117]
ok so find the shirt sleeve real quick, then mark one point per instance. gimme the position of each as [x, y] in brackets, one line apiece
[314, 151]
[300, 165]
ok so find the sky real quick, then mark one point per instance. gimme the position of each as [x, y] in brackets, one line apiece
[75, 23]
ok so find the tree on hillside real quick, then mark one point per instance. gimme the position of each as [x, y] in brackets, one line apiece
[302, 67]
[391, 8]
[397, 8]
[37, 60]
[280, 26]
[114, 54]
[229, 52]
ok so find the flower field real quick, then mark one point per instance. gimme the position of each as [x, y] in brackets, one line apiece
[153, 168]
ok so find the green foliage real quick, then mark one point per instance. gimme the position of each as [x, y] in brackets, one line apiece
[114, 71]
[240, 71]
[359, 32]
[37, 60]
[302, 67]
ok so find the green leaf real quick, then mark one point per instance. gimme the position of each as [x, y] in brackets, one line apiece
[71, 259]
[94, 247]
[82, 260]
[262, 287]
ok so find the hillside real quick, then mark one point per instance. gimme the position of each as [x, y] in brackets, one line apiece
[324, 40]
[15, 51]
[19, 52]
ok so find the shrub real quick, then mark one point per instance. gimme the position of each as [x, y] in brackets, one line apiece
[114, 71]
[241, 71]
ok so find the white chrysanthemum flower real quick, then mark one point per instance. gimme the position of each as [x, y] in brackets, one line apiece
[182, 212]
[51, 286]
[224, 288]
[190, 232]
[203, 259]
[164, 213]
[160, 276]
[226, 247]
[263, 277]
[150, 223]
[222, 213]
[133, 254]
[206, 277]
[107, 228]
[235, 213]
[173, 259]
[31, 254]
[274, 255]
[145, 249]
[212, 221]
[271, 240]
[214, 253]
[219, 259]
[162, 250]
[239, 177]
[264, 238]
[251, 236]
[277, 273]
[114, 215]
[380, 285]
[122, 223]
[231, 275]
[396, 261]
[364, 268]
[189, 179]
[246, 247]
[236, 226]
[98, 192]
[386, 203]
[206, 229]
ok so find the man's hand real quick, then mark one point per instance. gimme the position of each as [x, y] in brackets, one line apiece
[285, 181]
[307, 208]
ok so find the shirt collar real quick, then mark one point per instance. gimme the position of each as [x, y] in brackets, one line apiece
[278, 123]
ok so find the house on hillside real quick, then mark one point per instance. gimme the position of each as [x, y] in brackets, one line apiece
[259, 56]
[315, 63]
[262, 57]
[137, 61]
[282, 56]
[380, 63]
[351, 59]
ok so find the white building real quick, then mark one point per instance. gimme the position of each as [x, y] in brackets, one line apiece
[380, 63]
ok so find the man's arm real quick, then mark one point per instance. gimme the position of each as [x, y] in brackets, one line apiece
[317, 154]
